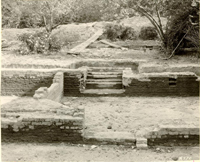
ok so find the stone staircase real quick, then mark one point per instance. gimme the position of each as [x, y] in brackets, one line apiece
[104, 80]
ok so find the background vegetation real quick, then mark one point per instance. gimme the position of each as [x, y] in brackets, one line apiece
[52, 13]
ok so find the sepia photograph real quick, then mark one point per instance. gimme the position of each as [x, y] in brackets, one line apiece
[100, 80]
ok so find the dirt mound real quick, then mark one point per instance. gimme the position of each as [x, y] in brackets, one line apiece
[69, 36]
[27, 104]
[65, 35]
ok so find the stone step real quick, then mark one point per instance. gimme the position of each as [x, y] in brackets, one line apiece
[104, 80]
[103, 91]
[105, 69]
[104, 76]
[106, 73]
[104, 85]
[119, 138]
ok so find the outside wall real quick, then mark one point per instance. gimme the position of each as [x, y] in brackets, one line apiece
[24, 82]
[65, 126]
[160, 84]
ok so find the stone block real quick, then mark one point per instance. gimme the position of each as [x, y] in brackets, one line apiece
[141, 141]
[59, 124]
[36, 123]
[62, 127]
[31, 127]
[142, 146]
[173, 133]
[46, 123]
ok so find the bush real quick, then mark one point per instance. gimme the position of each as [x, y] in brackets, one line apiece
[38, 42]
[148, 33]
[177, 27]
[114, 32]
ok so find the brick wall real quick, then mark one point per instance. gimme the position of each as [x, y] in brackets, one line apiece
[160, 84]
[74, 81]
[174, 135]
[43, 128]
[24, 82]
[54, 92]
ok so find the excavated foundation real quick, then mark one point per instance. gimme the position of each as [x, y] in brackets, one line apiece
[90, 78]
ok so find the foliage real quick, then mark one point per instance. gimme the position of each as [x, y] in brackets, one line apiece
[148, 33]
[115, 31]
[177, 28]
[38, 42]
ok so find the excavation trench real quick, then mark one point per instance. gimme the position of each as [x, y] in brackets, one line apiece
[111, 86]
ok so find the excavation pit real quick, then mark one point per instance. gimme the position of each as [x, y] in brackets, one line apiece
[133, 93]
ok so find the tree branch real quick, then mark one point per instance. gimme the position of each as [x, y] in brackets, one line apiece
[173, 52]
[153, 21]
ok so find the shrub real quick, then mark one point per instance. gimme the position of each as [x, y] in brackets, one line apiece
[177, 28]
[148, 33]
[114, 32]
[38, 42]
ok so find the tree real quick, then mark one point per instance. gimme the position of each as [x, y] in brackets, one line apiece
[175, 11]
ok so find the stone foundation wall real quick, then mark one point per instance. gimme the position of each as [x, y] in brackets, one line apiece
[160, 84]
[43, 128]
[24, 82]
[54, 92]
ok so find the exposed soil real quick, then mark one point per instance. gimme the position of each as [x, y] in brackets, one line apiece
[136, 114]
[64, 152]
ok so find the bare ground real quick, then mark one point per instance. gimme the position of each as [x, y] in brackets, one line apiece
[65, 152]
[136, 114]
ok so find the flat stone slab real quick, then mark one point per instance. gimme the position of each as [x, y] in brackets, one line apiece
[103, 91]
[124, 138]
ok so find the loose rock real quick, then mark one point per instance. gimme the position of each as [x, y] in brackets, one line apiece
[175, 158]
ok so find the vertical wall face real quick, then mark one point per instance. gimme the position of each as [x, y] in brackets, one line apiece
[24, 83]
[55, 122]
[161, 84]
[73, 82]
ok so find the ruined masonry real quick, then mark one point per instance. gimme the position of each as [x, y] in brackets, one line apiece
[58, 122]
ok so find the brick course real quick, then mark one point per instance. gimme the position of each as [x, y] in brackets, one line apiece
[160, 84]
[24, 83]
[43, 129]
[174, 136]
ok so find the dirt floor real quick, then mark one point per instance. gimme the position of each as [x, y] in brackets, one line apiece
[132, 114]
[64, 152]
[136, 114]
[152, 56]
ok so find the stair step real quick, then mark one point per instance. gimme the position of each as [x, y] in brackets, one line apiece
[104, 69]
[106, 73]
[103, 76]
[103, 91]
[104, 80]
[104, 85]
